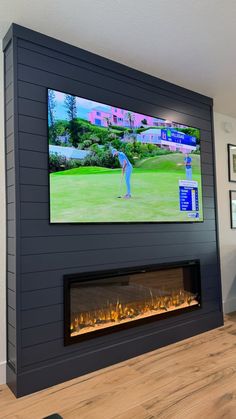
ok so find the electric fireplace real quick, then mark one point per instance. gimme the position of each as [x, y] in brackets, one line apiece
[98, 303]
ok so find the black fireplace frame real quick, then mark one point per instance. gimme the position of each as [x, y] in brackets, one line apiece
[96, 275]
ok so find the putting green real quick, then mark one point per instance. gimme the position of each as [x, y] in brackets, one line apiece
[169, 162]
[89, 194]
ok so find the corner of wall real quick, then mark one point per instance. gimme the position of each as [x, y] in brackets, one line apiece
[225, 133]
[3, 372]
[2, 234]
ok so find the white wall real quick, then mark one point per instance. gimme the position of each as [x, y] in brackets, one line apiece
[2, 234]
[227, 236]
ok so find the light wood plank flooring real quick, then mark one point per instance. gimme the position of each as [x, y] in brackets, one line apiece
[192, 379]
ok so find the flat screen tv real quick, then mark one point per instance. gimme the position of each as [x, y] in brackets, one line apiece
[115, 165]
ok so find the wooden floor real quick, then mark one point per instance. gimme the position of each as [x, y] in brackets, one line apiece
[193, 379]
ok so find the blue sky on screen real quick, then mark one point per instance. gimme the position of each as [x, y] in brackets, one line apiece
[84, 106]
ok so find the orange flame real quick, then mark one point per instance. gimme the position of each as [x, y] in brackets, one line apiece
[112, 314]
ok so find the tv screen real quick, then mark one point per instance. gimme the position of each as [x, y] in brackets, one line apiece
[109, 164]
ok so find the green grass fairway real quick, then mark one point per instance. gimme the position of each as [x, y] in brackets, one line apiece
[169, 162]
[89, 194]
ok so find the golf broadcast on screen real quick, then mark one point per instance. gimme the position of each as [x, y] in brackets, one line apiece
[109, 164]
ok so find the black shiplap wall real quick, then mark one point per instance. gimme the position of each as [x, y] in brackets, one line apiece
[40, 253]
[11, 202]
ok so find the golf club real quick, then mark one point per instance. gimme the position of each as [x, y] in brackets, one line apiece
[121, 183]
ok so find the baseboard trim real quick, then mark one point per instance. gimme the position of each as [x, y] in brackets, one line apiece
[229, 305]
[3, 372]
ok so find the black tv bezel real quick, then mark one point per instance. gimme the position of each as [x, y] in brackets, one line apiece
[191, 221]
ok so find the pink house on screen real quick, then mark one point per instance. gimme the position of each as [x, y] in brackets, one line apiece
[120, 117]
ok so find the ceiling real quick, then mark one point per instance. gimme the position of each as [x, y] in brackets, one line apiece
[187, 42]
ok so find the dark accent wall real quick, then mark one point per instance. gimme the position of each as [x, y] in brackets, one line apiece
[11, 203]
[39, 254]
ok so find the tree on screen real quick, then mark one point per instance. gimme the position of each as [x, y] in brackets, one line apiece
[51, 117]
[70, 104]
[107, 119]
[130, 118]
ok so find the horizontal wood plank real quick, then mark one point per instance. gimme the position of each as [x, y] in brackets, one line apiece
[108, 68]
[9, 58]
[11, 279]
[34, 263]
[95, 77]
[42, 228]
[33, 159]
[11, 228]
[32, 91]
[92, 92]
[11, 295]
[11, 331]
[9, 126]
[71, 243]
[42, 315]
[40, 280]
[33, 142]
[43, 353]
[9, 109]
[11, 316]
[32, 108]
[9, 143]
[9, 93]
[34, 193]
[11, 191]
[8, 76]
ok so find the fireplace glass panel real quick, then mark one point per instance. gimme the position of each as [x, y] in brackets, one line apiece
[100, 305]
